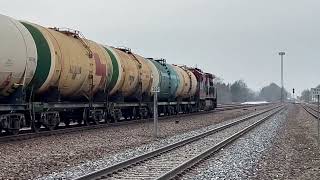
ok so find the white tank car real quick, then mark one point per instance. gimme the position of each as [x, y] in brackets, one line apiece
[18, 56]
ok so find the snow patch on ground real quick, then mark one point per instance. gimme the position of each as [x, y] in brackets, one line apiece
[255, 102]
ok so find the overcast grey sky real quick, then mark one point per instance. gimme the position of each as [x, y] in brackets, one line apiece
[234, 39]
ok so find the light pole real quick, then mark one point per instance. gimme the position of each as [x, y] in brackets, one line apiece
[282, 54]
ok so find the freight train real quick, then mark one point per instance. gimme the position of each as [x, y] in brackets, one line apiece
[52, 75]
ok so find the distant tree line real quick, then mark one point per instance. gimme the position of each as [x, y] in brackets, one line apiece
[238, 91]
[306, 95]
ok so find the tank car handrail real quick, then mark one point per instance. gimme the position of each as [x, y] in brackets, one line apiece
[161, 61]
[124, 49]
[76, 34]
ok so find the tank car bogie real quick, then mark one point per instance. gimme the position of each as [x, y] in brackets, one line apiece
[12, 122]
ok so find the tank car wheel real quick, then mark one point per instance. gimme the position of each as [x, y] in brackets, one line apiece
[50, 128]
[125, 116]
[85, 117]
[106, 118]
[175, 110]
[164, 110]
[110, 120]
[79, 121]
[134, 113]
[185, 110]
[170, 111]
[115, 119]
[67, 122]
[95, 121]
[14, 131]
[146, 115]
[35, 127]
[86, 122]
[53, 127]
[188, 110]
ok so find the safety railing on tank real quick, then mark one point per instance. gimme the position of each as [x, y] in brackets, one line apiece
[76, 34]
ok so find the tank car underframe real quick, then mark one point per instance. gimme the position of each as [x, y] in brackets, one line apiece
[101, 109]
[49, 115]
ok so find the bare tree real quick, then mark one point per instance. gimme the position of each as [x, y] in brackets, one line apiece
[306, 95]
[272, 93]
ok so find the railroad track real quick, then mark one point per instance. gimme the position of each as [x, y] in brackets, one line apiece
[308, 108]
[24, 136]
[172, 160]
[226, 107]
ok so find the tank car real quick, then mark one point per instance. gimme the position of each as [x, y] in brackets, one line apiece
[53, 76]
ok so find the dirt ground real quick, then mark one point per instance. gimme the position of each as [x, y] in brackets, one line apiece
[295, 153]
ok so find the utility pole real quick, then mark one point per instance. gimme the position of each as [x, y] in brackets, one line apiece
[282, 54]
[318, 96]
[155, 91]
[316, 93]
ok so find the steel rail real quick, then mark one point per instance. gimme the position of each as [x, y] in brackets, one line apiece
[105, 172]
[178, 171]
[305, 107]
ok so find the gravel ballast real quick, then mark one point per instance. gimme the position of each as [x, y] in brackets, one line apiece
[237, 159]
[154, 167]
[38, 157]
[295, 153]
[284, 147]
[106, 161]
